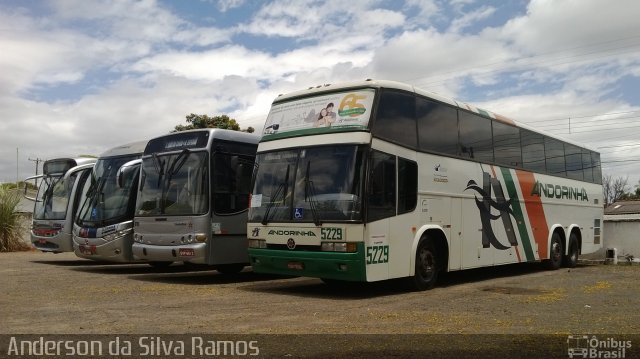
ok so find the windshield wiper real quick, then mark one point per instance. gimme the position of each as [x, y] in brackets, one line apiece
[159, 165]
[282, 188]
[310, 194]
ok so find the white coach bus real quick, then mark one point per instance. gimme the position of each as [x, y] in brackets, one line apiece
[374, 180]
[57, 202]
[103, 228]
[193, 198]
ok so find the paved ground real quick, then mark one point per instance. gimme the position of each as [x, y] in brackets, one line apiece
[61, 294]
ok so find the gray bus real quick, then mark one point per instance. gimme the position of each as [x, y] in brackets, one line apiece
[193, 197]
[103, 228]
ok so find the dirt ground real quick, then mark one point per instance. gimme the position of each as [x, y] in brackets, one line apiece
[61, 294]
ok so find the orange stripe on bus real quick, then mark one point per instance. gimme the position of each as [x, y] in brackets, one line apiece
[535, 211]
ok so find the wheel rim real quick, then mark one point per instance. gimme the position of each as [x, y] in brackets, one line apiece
[427, 265]
[556, 252]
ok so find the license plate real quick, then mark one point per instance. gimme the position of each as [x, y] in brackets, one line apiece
[87, 250]
[295, 265]
[187, 252]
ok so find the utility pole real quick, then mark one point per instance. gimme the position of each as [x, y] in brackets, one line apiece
[37, 161]
[17, 169]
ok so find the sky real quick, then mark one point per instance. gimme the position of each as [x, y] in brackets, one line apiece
[78, 77]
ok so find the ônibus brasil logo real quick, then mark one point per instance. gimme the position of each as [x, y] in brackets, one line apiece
[585, 346]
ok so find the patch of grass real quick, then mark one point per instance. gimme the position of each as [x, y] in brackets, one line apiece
[601, 285]
[11, 227]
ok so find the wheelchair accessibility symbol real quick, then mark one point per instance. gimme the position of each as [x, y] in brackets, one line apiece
[298, 213]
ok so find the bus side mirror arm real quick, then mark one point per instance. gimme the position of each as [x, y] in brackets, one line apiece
[126, 169]
[25, 187]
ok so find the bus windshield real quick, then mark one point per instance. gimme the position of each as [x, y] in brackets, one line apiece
[174, 184]
[53, 197]
[313, 184]
[103, 202]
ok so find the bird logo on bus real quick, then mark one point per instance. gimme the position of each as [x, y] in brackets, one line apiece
[486, 203]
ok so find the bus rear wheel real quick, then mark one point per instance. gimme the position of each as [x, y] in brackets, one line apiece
[555, 253]
[426, 267]
[571, 259]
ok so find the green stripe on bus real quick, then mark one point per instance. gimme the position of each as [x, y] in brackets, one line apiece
[517, 213]
[312, 131]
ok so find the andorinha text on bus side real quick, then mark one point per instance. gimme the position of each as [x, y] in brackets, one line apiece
[103, 228]
[372, 180]
[57, 202]
[193, 198]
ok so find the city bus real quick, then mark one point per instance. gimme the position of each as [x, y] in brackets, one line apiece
[57, 201]
[193, 198]
[374, 180]
[103, 228]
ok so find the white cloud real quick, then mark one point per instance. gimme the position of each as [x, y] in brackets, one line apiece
[470, 18]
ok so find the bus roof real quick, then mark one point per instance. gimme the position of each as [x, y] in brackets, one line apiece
[126, 149]
[159, 144]
[370, 83]
[77, 161]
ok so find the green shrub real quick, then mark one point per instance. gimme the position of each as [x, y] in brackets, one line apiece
[11, 228]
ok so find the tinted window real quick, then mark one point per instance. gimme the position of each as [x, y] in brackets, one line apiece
[437, 127]
[395, 119]
[506, 142]
[554, 154]
[407, 185]
[573, 161]
[597, 170]
[533, 151]
[587, 165]
[231, 182]
[475, 137]
[382, 186]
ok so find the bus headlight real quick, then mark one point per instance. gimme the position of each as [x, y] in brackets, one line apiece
[201, 237]
[347, 247]
[257, 243]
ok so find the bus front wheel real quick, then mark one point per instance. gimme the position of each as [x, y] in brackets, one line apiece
[233, 268]
[160, 264]
[426, 267]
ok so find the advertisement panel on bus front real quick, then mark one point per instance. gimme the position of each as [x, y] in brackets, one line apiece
[343, 111]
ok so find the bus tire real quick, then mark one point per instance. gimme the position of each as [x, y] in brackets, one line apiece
[233, 268]
[571, 259]
[426, 267]
[555, 253]
[160, 264]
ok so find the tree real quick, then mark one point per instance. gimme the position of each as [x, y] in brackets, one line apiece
[203, 121]
[614, 188]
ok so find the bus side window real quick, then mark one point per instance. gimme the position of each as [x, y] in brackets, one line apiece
[382, 186]
[437, 127]
[396, 119]
[476, 140]
[407, 185]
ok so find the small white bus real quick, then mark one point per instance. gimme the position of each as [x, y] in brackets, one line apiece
[57, 202]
